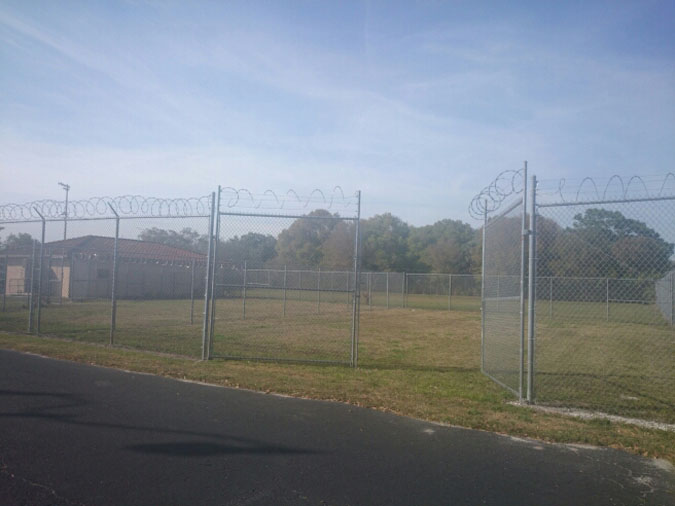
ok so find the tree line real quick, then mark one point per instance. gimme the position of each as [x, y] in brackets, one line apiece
[388, 244]
[598, 243]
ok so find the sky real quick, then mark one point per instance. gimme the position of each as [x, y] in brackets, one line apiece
[418, 104]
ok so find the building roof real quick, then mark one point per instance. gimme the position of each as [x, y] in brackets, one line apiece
[126, 248]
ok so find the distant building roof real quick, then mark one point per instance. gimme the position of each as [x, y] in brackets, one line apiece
[126, 248]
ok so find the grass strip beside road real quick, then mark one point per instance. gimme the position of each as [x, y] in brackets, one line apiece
[455, 395]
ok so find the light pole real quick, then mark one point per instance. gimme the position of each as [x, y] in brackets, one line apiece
[65, 212]
[63, 252]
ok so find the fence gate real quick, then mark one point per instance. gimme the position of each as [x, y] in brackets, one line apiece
[503, 282]
[291, 300]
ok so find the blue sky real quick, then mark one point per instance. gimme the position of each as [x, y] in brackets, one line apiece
[417, 104]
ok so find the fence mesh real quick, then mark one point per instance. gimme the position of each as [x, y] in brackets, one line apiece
[605, 338]
[501, 298]
[285, 287]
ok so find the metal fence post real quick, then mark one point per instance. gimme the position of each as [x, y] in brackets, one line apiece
[285, 285]
[482, 291]
[370, 291]
[42, 254]
[357, 288]
[214, 294]
[523, 243]
[449, 290]
[192, 291]
[300, 284]
[672, 300]
[404, 292]
[550, 297]
[532, 295]
[113, 294]
[31, 298]
[244, 290]
[70, 277]
[318, 291]
[387, 289]
[4, 283]
[207, 284]
[607, 297]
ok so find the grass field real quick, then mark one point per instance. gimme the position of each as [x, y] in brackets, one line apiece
[421, 362]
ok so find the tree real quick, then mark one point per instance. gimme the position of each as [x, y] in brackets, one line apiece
[603, 243]
[301, 244]
[385, 243]
[254, 248]
[15, 241]
[444, 246]
[338, 248]
[187, 238]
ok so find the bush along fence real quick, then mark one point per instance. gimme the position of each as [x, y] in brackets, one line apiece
[577, 305]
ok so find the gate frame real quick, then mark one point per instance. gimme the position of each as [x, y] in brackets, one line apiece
[210, 295]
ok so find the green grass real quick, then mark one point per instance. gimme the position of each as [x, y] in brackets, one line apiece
[413, 361]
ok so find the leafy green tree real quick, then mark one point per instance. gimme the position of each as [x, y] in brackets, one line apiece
[301, 244]
[187, 238]
[385, 243]
[444, 246]
[15, 241]
[256, 249]
[338, 248]
[605, 243]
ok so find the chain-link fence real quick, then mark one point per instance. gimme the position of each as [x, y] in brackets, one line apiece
[105, 275]
[604, 330]
[288, 301]
[665, 289]
[176, 276]
[598, 297]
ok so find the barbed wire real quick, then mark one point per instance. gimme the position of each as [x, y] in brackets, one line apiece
[615, 188]
[490, 198]
[125, 205]
[269, 200]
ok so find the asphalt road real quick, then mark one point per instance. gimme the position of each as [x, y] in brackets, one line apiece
[77, 434]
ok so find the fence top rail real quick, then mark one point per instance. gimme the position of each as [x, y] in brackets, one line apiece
[295, 216]
[609, 201]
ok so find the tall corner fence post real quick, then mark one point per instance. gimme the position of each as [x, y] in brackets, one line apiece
[532, 296]
[41, 274]
[387, 289]
[524, 233]
[113, 289]
[31, 287]
[482, 290]
[207, 283]
[356, 303]
[214, 263]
